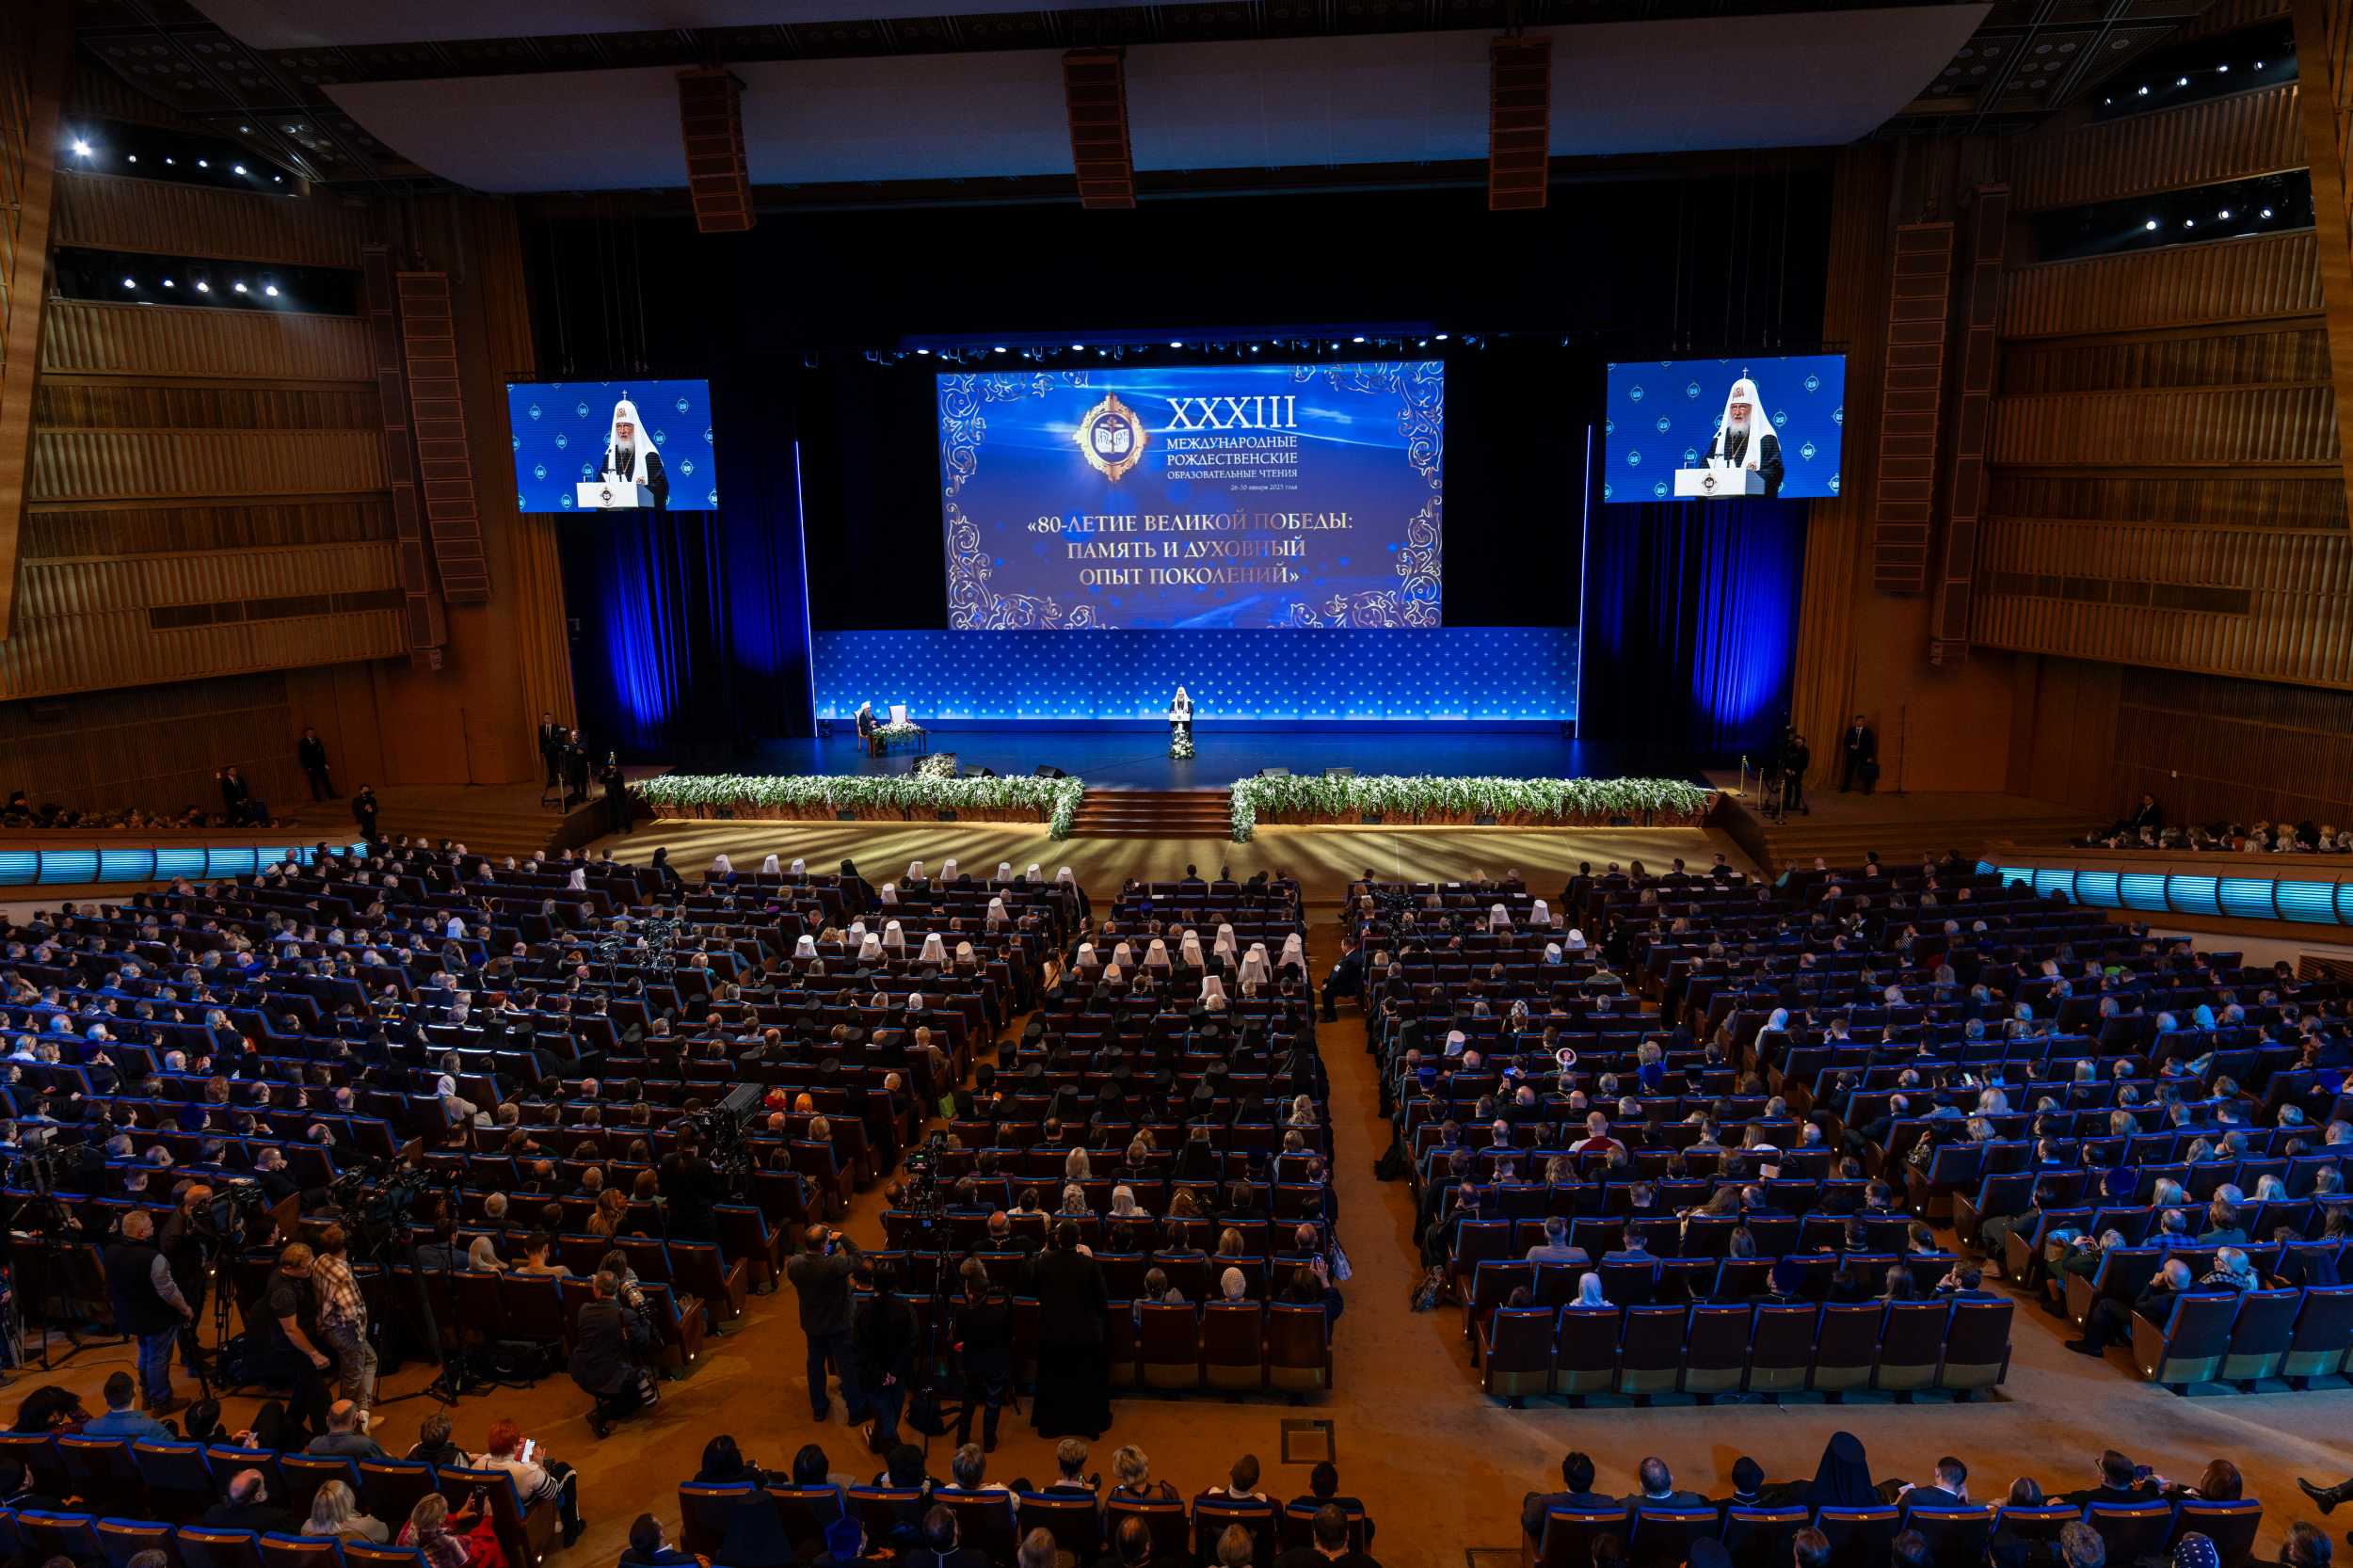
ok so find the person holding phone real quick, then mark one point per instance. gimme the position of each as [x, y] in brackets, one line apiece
[537, 1478]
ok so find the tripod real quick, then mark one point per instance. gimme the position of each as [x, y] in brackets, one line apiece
[49, 1293]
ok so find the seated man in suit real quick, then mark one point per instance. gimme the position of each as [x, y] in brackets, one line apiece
[1323, 1486]
[1658, 1488]
[2120, 1482]
[2110, 1321]
[1950, 1491]
[1577, 1475]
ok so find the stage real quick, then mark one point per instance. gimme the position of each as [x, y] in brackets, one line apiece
[1130, 758]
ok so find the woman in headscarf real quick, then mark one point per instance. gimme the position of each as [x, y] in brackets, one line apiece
[1588, 1292]
[1843, 1478]
[633, 457]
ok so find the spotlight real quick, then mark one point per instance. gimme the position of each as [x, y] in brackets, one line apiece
[130, 282]
[2189, 223]
[81, 148]
[135, 157]
[923, 351]
[278, 179]
[203, 287]
[2224, 69]
[2259, 65]
[1358, 338]
[1078, 345]
[2266, 213]
[1174, 343]
[1000, 349]
[2143, 91]
[170, 284]
[2107, 100]
[2151, 225]
[238, 285]
[203, 163]
[240, 169]
[171, 162]
[269, 284]
[2181, 81]
[1254, 348]
[2224, 214]
[1440, 336]
[247, 130]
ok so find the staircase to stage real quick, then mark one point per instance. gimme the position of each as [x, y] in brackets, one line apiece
[1154, 814]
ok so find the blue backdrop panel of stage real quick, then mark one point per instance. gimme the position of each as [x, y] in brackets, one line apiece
[1479, 675]
[1193, 497]
[1663, 414]
[559, 430]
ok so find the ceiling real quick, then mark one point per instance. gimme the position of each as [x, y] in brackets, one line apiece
[503, 94]
[1619, 87]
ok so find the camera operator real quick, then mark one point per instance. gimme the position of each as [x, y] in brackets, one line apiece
[821, 1278]
[607, 1340]
[190, 1240]
[149, 1304]
[690, 1186]
[293, 1310]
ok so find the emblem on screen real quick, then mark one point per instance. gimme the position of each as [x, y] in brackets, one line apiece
[1111, 438]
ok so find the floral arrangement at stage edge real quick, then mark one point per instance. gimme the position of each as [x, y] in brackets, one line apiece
[821, 795]
[939, 764]
[1565, 801]
[1180, 745]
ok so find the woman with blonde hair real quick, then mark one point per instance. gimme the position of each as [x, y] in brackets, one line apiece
[612, 1213]
[334, 1511]
[429, 1529]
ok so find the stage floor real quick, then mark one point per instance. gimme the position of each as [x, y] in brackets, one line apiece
[1139, 760]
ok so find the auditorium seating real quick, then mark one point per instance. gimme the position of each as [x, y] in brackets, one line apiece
[1768, 1351]
[1760, 1537]
[137, 1494]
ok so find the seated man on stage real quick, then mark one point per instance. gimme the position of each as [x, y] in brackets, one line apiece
[866, 728]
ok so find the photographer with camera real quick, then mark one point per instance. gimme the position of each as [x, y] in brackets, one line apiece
[690, 1186]
[820, 1273]
[607, 1340]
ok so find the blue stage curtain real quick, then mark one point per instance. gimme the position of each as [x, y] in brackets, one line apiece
[1690, 622]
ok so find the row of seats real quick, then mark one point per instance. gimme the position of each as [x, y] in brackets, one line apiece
[1762, 1537]
[2223, 1336]
[1768, 1349]
[993, 1522]
[137, 1494]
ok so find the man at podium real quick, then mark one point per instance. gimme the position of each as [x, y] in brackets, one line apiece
[630, 456]
[1745, 438]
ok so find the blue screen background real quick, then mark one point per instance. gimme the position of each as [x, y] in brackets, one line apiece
[1664, 413]
[559, 428]
[1368, 443]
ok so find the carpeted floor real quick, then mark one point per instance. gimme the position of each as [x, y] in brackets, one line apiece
[1442, 1467]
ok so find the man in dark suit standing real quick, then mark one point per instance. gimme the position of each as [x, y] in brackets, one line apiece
[1860, 744]
[551, 747]
[311, 753]
[1072, 1304]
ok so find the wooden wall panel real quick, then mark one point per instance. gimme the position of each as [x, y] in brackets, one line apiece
[116, 404]
[97, 465]
[2198, 144]
[156, 748]
[2255, 279]
[157, 340]
[2224, 501]
[98, 652]
[2213, 359]
[36, 69]
[2297, 624]
[113, 211]
[83, 586]
[2236, 750]
[181, 530]
[2170, 428]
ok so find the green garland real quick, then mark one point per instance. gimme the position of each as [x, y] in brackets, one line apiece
[1412, 799]
[819, 795]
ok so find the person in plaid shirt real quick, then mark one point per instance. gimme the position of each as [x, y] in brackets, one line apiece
[344, 1320]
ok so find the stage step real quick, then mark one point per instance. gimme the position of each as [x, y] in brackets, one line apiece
[1153, 815]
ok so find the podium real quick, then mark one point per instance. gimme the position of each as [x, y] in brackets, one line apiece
[611, 495]
[1707, 483]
